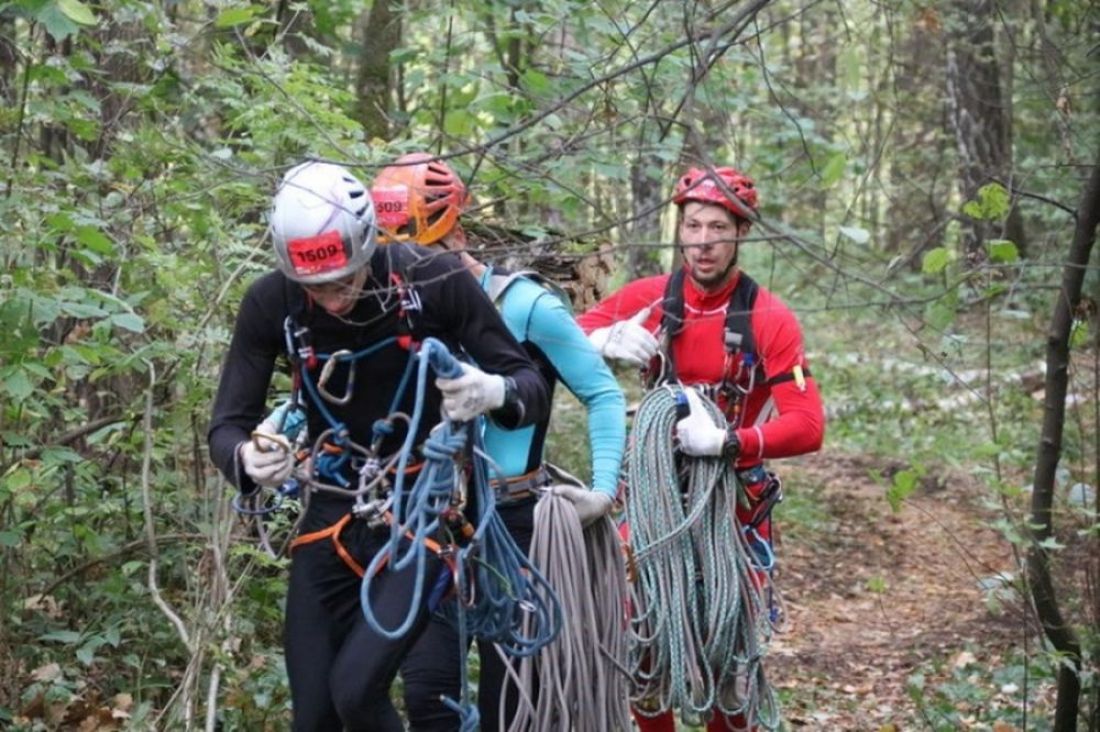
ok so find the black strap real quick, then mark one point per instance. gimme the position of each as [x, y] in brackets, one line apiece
[401, 261]
[737, 336]
[788, 376]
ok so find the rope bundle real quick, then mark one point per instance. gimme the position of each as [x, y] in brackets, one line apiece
[581, 680]
[700, 624]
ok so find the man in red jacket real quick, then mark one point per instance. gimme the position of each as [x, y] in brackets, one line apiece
[710, 326]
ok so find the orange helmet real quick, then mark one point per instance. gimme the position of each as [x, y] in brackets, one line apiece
[418, 199]
[698, 184]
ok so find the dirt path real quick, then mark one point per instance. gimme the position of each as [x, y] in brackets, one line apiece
[872, 596]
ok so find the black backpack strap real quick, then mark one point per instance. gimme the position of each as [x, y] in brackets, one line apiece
[672, 320]
[401, 262]
[672, 305]
[738, 338]
[738, 335]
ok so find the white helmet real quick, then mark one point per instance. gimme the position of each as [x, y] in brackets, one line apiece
[322, 223]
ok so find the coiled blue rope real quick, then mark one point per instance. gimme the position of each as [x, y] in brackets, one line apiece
[498, 590]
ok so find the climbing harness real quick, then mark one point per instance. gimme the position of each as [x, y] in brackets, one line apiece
[487, 587]
[700, 621]
[741, 366]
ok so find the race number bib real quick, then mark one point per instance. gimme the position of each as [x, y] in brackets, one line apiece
[317, 254]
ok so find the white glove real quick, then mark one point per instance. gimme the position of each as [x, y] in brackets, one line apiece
[267, 459]
[474, 392]
[626, 340]
[697, 433]
[590, 505]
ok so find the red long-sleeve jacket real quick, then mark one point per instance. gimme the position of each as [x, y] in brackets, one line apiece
[798, 424]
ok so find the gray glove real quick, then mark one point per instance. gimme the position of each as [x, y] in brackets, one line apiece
[590, 505]
[698, 434]
[474, 392]
[266, 458]
[627, 340]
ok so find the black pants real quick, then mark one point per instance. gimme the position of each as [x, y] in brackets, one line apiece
[433, 666]
[340, 670]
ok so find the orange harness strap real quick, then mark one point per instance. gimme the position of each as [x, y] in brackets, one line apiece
[333, 532]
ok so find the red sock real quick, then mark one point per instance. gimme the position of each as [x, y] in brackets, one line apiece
[730, 723]
[663, 722]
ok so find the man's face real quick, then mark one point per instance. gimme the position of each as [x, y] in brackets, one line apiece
[709, 235]
[339, 296]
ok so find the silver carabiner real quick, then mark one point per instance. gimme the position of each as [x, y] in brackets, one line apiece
[326, 374]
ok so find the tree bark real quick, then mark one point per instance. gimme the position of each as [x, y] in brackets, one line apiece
[979, 117]
[1060, 633]
[915, 214]
[381, 34]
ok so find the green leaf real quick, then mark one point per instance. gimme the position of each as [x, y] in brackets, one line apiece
[905, 482]
[56, 23]
[856, 234]
[536, 82]
[16, 383]
[458, 122]
[940, 315]
[82, 310]
[991, 204]
[235, 16]
[995, 200]
[1002, 251]
[834, 169]
[935, 260]
[1079, 334]
[130, 321]
[67, 637]
[95, 240]
[1051, 543]
[77, 12]
[10, 539]
[18, 479]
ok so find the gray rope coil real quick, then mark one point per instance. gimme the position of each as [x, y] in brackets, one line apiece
[700, 623]
[581, 676]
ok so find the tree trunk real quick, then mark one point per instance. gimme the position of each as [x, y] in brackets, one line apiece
[915, 215]
[979, 118]
[8, 58]
[644, 232]
[1060, 634]
[380, 34]
[121, 42]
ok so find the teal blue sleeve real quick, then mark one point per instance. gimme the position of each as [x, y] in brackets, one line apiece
[583, 371]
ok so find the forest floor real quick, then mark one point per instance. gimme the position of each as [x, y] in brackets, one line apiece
[874, 597]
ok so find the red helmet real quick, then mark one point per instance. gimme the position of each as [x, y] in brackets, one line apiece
[418, 198]
[699, 184]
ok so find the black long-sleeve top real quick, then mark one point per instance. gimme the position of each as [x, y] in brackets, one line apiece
[454, 309]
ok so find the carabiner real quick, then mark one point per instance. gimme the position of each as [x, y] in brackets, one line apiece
[326, 374]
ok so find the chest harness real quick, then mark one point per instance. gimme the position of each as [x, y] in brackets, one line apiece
[741, 365]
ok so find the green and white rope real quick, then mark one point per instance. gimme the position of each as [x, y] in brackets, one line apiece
[700, 623]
